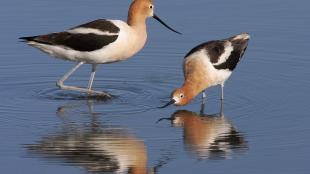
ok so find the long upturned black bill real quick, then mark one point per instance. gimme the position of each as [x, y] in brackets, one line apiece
[172, 101]
[162, 22]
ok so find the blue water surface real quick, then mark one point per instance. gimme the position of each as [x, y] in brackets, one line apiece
[264, 126]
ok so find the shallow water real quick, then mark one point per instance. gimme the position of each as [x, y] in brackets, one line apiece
[263, 126]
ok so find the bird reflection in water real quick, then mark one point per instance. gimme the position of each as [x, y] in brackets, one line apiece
[208, 136]
[96, 147]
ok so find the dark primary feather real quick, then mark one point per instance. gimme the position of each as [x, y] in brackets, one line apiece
[79, 41]
[29, 38]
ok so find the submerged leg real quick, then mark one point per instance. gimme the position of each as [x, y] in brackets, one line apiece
[221, 109]
[60, 83]
[202, 108]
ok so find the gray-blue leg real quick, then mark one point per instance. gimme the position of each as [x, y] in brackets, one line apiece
[204, 96]
[222, 91]
[92, 76]
[60, 82]
[61, 85]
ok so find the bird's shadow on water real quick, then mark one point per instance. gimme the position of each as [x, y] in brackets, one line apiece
[208, 136]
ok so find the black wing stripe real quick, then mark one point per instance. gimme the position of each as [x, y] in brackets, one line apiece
[102, 25]
[78, 42]
[232, 61]
[215, 49]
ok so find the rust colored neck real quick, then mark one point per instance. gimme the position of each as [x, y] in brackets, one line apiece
[135, 18]
[192, 89]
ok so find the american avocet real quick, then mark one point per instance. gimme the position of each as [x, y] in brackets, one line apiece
[207, 65]
[98, 42]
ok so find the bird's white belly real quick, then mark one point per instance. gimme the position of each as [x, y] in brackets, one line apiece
[213, 75]
[217, 76]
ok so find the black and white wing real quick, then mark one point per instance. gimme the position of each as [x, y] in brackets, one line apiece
[224, 54]
[86, 37]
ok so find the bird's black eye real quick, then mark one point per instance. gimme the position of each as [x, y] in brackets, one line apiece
[151, 6]
[181, 95]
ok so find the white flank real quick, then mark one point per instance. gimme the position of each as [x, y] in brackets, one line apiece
[56, 51]
[227, 51]
[82, 30]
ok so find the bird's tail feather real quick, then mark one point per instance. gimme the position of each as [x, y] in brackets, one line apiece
[28, 39]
